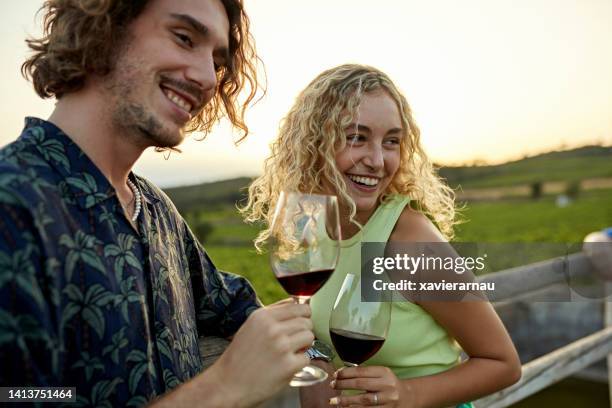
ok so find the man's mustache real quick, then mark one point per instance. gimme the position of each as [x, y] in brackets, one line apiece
[193, 90]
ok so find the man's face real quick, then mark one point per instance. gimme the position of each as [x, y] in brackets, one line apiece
[166, 71]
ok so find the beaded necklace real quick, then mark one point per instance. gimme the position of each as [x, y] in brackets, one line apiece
[137, 199]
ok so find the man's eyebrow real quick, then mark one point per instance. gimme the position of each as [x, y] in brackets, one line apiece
[202, 30]
[195, 24]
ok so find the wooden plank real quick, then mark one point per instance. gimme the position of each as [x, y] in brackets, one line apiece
[553, 367]
[538, 328]
[516, 281]
[211, 349]
[557, 292]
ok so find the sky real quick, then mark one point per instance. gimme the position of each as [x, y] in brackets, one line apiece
[488, 80]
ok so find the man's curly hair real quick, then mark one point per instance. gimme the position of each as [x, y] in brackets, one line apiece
[81, 37]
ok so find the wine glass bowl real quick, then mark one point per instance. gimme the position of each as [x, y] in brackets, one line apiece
[357, 329]
[304, 242]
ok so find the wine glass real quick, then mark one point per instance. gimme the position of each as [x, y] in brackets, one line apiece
[304, 250]
[357, 329]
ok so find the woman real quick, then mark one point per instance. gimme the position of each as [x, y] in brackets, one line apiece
[351, 133]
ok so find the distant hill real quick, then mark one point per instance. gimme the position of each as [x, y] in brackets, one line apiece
[569, 165]
[214, 195]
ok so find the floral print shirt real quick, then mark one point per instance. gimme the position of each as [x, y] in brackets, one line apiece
[88, 301]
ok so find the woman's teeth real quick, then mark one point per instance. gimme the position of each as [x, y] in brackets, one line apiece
[368, 181]
[178, 100]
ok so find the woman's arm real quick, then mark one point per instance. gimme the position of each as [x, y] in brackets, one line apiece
[493, 362]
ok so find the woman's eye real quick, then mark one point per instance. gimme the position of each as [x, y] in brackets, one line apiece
[185, 39]
[355, 138]
[393, 141]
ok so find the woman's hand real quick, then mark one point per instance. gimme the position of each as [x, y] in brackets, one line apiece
[382, 388]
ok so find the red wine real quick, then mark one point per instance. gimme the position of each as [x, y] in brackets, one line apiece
[355, 347]
[304, 284]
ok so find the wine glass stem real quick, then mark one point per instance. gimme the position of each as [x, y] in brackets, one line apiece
[302, 300]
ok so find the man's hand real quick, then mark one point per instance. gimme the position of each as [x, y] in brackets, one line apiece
[266, 352]
[258, 363]
[318, 395]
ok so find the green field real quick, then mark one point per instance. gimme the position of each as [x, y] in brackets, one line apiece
[568, 166]
[525, 220]
[509, 221]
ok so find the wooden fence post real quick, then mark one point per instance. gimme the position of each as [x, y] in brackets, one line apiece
[608, 323]
[598, 247]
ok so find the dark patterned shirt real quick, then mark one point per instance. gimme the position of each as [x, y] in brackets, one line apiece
[86, 300]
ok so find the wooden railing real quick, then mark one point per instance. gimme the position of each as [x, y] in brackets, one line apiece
[513, 288]
[516, 288]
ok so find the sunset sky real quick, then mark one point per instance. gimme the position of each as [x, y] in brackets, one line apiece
[488, 80]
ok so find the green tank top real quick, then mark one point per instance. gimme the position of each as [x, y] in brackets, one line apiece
[416, 345]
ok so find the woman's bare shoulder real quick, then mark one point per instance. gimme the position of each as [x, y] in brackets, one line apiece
[414, 226]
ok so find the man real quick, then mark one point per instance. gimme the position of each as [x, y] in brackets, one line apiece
[103, 287]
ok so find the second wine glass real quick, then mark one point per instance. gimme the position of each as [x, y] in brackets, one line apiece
[357, 329]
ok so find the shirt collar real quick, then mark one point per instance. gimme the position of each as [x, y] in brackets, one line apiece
[81, 178]
[149, 195]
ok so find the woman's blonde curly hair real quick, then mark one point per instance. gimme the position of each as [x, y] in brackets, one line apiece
[303, 154]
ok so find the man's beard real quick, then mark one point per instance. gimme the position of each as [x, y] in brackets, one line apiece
[143, 125]
[133, 117]
[128, 114]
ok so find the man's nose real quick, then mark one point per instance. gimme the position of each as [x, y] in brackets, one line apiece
[202, 73]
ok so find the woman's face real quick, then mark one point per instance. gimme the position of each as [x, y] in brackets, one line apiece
[371, 157]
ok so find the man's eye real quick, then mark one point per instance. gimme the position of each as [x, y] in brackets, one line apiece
[185, 39]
